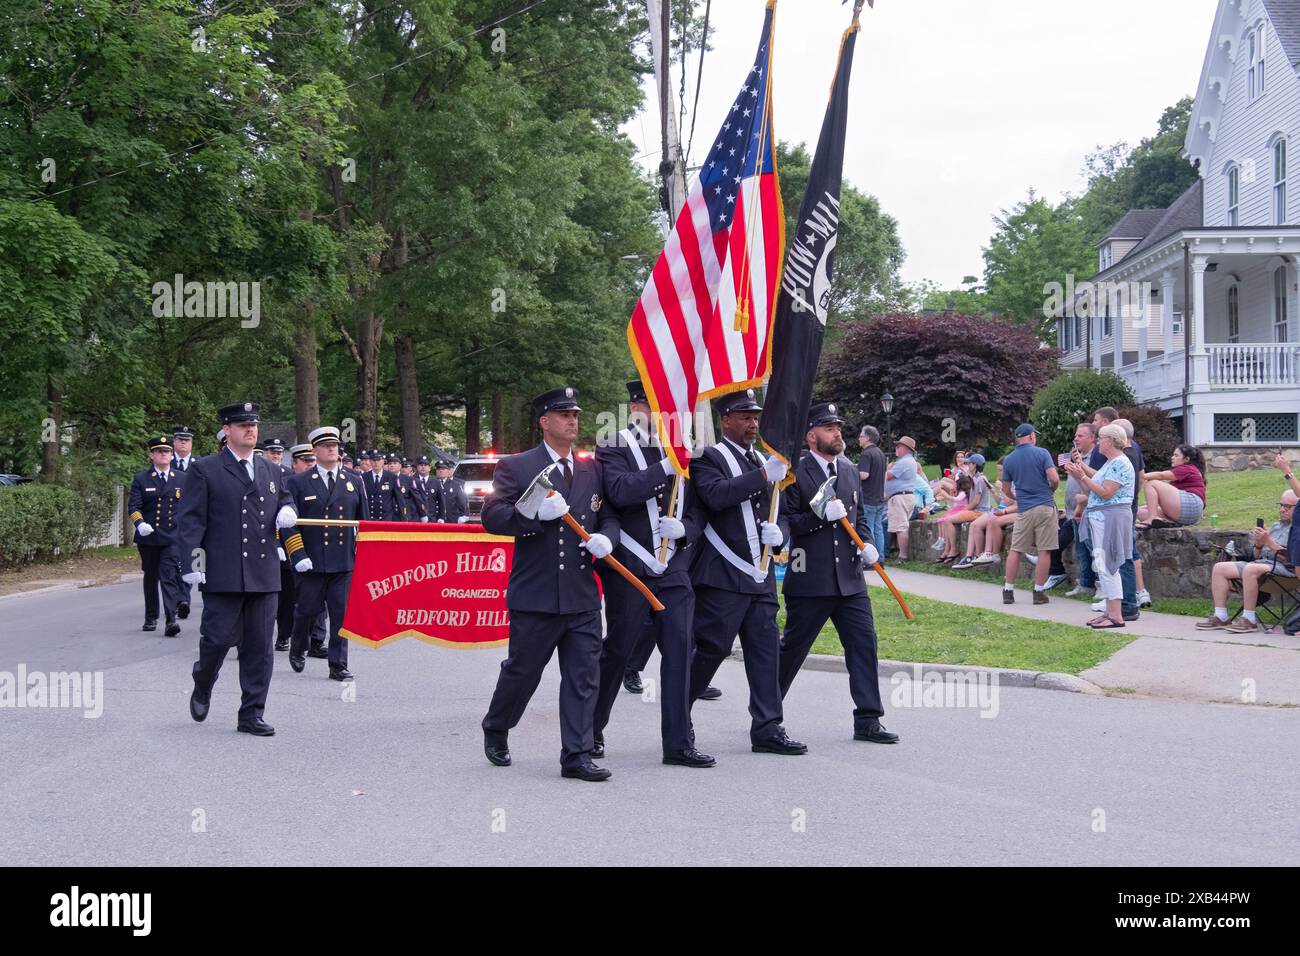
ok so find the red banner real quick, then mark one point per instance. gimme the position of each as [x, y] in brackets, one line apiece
[441, 583]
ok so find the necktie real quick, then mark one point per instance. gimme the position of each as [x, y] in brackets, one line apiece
[830, 469]
[568, 475]
[180, 465]
[753, 458]
[248, 468]
[329, 488]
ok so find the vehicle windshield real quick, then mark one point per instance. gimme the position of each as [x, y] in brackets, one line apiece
[476, 470]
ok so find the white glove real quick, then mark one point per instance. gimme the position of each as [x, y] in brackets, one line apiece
[667, 465]
[194, 577]
[598, 545]
[462, 519]
[279, 553]
[552, 507]
[671, 528]
[771, 534]
[303, 566]
[775, 469]
[869, 554]
[287, 518]
[424, 518]
[836, 510]
[144, 529]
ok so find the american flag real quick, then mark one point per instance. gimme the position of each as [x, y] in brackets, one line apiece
[702, 324]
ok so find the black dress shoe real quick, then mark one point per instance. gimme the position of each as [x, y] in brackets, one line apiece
[710, 693]
[198, 706]
[780, 744]
[598, 748]
[297, 662]
[182, 609]
[172, 629]
[876, 733]
[340, 673]
[587, 771]
[150, 626]
[318, 651]
[281, 643]
[689, 758]
[257, 727]
[632, 682]
[497, 751]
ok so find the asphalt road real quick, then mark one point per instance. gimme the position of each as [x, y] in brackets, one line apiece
[397, 776]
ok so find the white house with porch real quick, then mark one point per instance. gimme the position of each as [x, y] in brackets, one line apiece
[1228, 246]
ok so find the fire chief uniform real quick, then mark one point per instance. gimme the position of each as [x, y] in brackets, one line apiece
[825, 581]
[153, 503]
[552, 596]
[229, 509]
[731, 595]
[637, 488]
[320, 493]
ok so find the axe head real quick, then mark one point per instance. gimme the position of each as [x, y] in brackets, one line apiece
[536, 493]
[825, 495]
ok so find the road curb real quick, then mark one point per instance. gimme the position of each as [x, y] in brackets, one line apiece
[1006, 677]
[61, 586]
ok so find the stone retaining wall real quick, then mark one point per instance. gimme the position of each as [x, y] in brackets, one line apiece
[1244, 457]
[1176, 562]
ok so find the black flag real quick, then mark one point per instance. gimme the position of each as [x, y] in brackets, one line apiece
[806, 280]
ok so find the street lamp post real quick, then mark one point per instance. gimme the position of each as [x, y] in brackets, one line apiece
[887, 406]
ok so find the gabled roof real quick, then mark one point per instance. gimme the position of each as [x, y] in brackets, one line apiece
[1134, 224]
[1285, 15]
[1186, 212]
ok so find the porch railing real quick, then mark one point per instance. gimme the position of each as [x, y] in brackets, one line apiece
[1253, 365]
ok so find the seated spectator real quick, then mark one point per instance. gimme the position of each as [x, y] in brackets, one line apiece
[947, 484]
[948, 534]
[979, 501]
[1270, 550]
[1177, 496]
[924, 497]
[984, 539]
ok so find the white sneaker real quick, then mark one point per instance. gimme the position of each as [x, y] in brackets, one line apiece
[1099, 605]
[1144, 598]
[985, 558]
[1079, 591]
[1052, 581]
[1032, 559]
[937, 546]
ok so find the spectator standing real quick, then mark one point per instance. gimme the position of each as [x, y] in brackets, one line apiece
[871, 469]
[900, 492]
[1176, 496]
[1135, 592]
[1283, 464]
[1029, 479]
[1108, 529]
[1270, 558]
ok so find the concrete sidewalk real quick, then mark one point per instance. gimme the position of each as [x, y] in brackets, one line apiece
[1170, 658]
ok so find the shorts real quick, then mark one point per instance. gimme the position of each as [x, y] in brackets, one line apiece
[1035, 530]
[899, 509]
[1278, 568]
[1191, 508]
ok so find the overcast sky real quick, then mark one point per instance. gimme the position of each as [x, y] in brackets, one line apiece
[958, 107]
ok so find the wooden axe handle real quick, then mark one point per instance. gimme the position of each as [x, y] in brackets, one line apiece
[907, 611]
[617, 565]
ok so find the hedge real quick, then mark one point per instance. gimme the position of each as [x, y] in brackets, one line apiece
[39, 523]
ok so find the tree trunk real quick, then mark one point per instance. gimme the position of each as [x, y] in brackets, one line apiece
[306, 375]
[53, 446]
[472, 415]
[516, 441]
[408, 387]
[370, 333]
[498, 422]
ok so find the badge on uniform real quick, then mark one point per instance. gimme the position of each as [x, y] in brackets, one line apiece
[350, 488]
[596, 502]
[273, 487]
[178, 493]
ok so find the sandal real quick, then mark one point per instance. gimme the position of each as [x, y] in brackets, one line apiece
[1110, 623]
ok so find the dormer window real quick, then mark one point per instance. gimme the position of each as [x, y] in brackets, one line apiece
[1107, 259]
[1234, 195]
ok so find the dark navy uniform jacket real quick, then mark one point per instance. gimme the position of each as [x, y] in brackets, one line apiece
[385, 504]
[156, 502]
[332, 549]
[628, 488]
[550, 574]
[452, 501]
[423, 491]
[722, 497]
[411, 507]
[233, 520]
[830, 561]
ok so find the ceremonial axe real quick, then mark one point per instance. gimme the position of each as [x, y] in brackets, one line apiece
[825, 495]
[541, 489]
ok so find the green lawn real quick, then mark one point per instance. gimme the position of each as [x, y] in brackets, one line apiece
[1234, 499]
[946, 633]
[1192, 607]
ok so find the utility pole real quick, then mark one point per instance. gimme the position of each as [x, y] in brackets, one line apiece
[672, 166]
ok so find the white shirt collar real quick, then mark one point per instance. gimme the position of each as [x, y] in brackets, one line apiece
[739, 447]
[821, 460]
[242, 461]
[556, 456]
[325, 472]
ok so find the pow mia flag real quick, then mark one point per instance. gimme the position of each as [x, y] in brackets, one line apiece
[806, 279]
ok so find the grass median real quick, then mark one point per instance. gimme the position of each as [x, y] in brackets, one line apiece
[944, 633]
